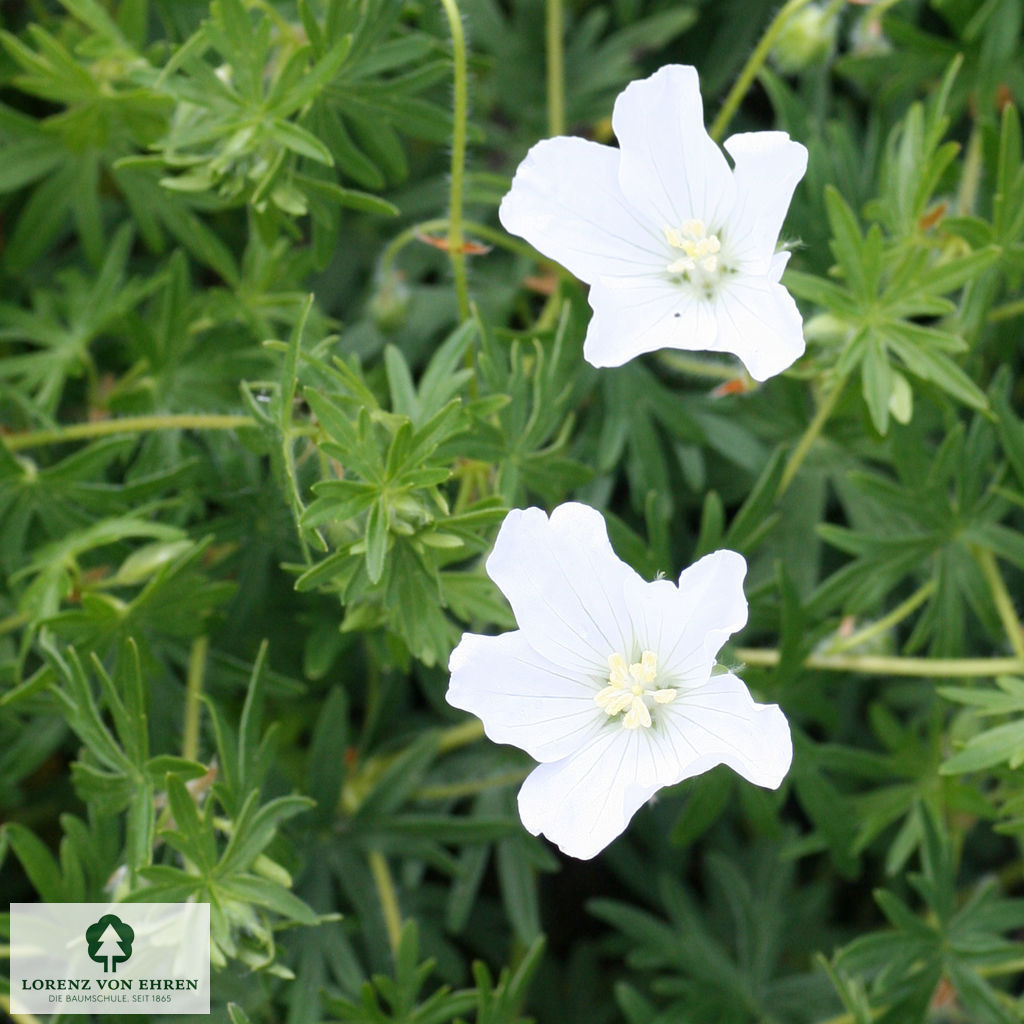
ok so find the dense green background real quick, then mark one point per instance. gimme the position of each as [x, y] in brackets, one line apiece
[214, 210]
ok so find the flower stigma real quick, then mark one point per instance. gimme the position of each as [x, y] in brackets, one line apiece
[628, 688]
[700, 250]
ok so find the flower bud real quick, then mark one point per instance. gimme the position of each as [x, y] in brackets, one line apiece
[826, 327]
[146, 561]
[901, 399]
[807, 38]
[389, 305]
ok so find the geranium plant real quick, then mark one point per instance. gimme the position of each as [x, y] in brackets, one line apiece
[518, 506]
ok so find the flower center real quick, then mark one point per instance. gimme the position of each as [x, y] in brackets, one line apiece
[628, 690]
[700, 250]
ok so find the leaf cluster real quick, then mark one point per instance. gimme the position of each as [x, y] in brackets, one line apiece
[252, 462]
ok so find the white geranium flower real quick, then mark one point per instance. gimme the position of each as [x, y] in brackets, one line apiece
[608, 680]
[677, 247]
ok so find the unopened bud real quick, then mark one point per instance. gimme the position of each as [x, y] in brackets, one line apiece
[807, 38]
[901, 399]
[389, 306]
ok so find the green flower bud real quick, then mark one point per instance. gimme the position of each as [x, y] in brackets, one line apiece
[827, 328]
[144, 562]
[807, 38]
[901, 399]
[389, 306]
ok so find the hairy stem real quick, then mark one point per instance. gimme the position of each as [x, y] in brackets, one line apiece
[555, 68]
[356, 788]
[456, 242]
[681, 362]
[388, 897]
[811, 434]
[754, 64]
[453, 790]
[413, 233]
[461, 735]
[193, 695]
[897, 615]
[880, 665]
[124, 425]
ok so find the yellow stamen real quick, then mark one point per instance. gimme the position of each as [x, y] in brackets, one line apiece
[629, 686]
[700, 250]
[618, 672]
[637, 716]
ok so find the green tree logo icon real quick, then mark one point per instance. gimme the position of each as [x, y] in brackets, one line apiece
[110, 942]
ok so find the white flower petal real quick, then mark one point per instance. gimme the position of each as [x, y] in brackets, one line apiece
[584, 802]
[678, 247]
[566, 202]
[565, 585]
[777, 267]
[687, 625]
[670, 168]
[719, 723]
[768, 167]
[642, 315]
[522, 698]
[608, 681]
[759, 322]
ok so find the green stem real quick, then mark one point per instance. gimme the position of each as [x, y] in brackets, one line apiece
[412, 234]
[556, 68]
[997, 970]
[456, 242]
[897, 615]
[879, 665]
[1004, 603]
[193, 693]
[754, 64]
[1007, 311]
[13, 622]
[680, 362]
[453, 790]
[124, 425]
[289, 386]
[356, 788]
[461, 735]
[811, 434]
[388, 898]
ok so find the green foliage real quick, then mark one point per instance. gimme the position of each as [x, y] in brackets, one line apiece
[252, 462]
[1002, 744]
[958, 945]
[391, 512]
[898, 273]
[724, 960]
[387, 1000]
[65, 321]
[945, 507]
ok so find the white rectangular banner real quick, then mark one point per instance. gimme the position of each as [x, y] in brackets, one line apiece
[110, 958]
